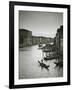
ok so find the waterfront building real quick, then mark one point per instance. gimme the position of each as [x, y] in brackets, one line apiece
[55, 50]
[58, 41]
[25, 38]
[41, 40]
[35, 40]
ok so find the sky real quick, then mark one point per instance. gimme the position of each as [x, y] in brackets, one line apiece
[40, 23]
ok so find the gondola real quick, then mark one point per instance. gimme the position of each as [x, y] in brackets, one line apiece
[59, 63]
[43, 65]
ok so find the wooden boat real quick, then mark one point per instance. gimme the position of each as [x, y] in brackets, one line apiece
[49, 58]
[60, 63]
[43, 65]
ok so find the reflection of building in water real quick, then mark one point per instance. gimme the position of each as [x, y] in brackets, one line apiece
[25, 37]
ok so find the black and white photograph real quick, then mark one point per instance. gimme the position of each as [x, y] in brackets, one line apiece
[40, 44]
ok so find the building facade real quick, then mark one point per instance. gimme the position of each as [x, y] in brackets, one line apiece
[41, 40]
[58, 40]
[25, 38]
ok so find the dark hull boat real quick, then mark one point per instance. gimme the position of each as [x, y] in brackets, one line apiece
[49, 58]
[43, 65]
[59, 63]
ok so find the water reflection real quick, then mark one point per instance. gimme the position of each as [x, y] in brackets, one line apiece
[29, 66]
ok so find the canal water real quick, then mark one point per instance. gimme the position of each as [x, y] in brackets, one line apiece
[30, 68]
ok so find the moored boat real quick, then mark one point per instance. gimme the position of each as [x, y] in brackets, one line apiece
[59, 63]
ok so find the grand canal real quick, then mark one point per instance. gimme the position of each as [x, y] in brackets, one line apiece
[30, 68]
